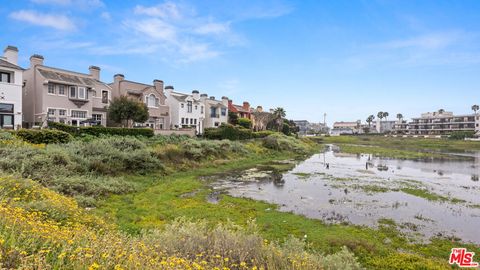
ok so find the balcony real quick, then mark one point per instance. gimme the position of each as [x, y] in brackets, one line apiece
[214, 115]
[79, 102]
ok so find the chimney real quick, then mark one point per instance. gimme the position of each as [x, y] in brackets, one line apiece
[203, 97]
[196, 94]
[11, 54]
[246, 106]
[271, 110]
[168, 89]
[158, 84]
[36, 60]
[212, 98]
[94, 72]
[225, 101]
[259, 109]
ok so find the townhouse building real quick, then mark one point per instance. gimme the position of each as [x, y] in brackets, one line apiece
[216, 111]
[242, 111]
[347, 127]
[186, 111]
[152, 95]
[58, 95]
[11, 83]
[383, 126]
[442, 123]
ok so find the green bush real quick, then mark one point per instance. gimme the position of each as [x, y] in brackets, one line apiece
[228, 131]
[281, 142]
[461, 135]
[44, 136]
[99, 130]
[245, 123]
[263, 133]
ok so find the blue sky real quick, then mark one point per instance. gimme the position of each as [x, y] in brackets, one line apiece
[345, 58]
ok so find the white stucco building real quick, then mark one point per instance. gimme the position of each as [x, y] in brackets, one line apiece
[216, 111]
[186, 111]
[11, 83]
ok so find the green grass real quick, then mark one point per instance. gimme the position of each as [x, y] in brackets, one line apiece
[390, 152]
[412, 144]
[163, 202]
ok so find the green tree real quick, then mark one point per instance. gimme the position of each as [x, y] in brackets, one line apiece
[385, 115]
[232, 118]
[399, 117]
[245, 122]
[380, 115]
[126, 111]
[441, 111]
[279, 113]
[475, 108]
[370, 119]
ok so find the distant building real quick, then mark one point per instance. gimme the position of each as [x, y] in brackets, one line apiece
[11, 82]
[186, 110]
[216, 111]
[443, 123]
[341, 131]
[341, 127]
[306, 127]
[260, 118]
[384, 126]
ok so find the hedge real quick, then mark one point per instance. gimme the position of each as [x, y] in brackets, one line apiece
[99, 130]
[231, 132]
[44, 136]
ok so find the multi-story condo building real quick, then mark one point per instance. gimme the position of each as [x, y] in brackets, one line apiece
[152, 95]
[305, 127]
[186, 111]
[54, 94]
[383, 126]
[216, 111]
[11, 82]
[442, 123]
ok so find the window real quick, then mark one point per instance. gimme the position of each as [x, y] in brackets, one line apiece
[191, 121]
[183, 120]
[82, 93]
[152, 101]
[189, 106]
[217, 124]
[97, 117]
[181, 105]
[79, 114]
[5, 77]
[213, 112]
[62, 120]
[62, 112]
[201, 109]
[51, 112]
[61, 90]
[194, 121]
[104, 96]
[196, 107]
[224, 111]
[6, 108]
[51, 89]
[73, 92]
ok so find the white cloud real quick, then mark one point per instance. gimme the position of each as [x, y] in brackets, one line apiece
[427, 41]
[212, 28]
[106, 15]
[83, 4]
[154, 28]
[57, 21]
[167, 10]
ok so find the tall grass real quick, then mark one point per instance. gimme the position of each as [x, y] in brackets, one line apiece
[40, 229]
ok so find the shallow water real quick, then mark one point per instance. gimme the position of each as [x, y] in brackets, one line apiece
[348, 191]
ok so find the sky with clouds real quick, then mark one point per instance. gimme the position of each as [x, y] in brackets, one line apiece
[346, 58]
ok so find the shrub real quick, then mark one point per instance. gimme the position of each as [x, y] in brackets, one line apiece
[44, 136]
[461, 135]
[99, 130]
[263, 133]
[282, 142]
[227, 131]
[245, 123]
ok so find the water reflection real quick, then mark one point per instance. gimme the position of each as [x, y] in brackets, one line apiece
[338, 187]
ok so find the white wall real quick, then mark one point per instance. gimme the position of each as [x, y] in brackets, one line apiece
[11, 93]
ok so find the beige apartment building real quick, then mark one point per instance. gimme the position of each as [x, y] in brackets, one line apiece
[58, 95]
[442, 123]
[152, 95]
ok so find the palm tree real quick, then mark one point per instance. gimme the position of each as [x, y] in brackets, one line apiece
[385, 115]
[475, 108]
[279, 113]
[370, 119]
[399, 117]
[441, 111]
[380, 115]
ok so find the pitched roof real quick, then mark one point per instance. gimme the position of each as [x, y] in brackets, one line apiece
[66, 77]
[240, 108]
[5, 63]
